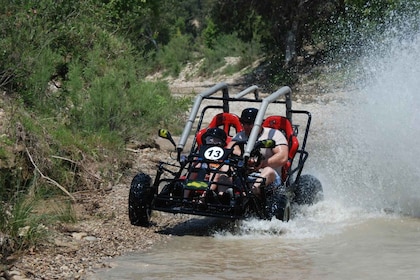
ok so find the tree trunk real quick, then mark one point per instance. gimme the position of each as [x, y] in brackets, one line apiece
[290, 51]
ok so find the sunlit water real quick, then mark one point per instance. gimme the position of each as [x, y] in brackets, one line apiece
[365, 151]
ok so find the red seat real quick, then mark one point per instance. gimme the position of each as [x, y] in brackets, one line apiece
[227, 121]
[199, 135]
[230, 123]
[283, 124]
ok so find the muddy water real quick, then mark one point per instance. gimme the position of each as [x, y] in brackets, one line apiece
[364, 149]
[381, 247]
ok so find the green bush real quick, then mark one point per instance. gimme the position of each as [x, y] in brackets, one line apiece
[229, 46]
[210, 35]
[128, 111]
[109, 96]
[22, 225]
[176, 54]
[26, 222]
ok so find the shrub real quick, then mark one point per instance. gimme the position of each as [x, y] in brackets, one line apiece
[111, 98]
[176, 54]
[229, 46]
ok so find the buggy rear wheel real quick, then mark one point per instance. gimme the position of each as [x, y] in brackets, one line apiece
[309, 190]
[140, 200]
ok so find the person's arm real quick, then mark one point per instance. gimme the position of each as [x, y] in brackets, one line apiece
[236, 148]
[279, 157]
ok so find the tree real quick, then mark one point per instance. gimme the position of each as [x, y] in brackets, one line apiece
[290, 23]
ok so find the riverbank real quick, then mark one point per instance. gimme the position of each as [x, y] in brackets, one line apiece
[104, 230]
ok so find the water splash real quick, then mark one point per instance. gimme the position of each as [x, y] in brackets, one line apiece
[367, 156]
[390, 116]
[308, 222]
[375, 159]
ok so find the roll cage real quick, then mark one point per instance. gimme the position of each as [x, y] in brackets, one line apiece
[282, 120]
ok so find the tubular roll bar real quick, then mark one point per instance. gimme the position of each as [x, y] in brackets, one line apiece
[248, 90]
[261, 112]
[286, 91]
[188, 126]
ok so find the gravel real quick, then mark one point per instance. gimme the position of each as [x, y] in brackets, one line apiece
[104, 231]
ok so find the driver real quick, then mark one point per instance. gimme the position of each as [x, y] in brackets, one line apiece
[273, 159]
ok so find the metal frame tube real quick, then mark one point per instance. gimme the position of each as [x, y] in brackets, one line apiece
[260, 116]
[253, 88]
[188, 126]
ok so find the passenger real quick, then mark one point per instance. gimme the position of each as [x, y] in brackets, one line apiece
[212, 137]
[215, 137]
[273, 159]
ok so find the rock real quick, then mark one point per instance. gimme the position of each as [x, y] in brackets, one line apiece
[108, 188]
[90, 238]
[23, 231]
[79, 235]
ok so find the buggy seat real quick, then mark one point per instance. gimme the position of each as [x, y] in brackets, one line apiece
[284, 125]
[229, 122]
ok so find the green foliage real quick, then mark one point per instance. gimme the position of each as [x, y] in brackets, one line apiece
[14, 177]
[229, 46]
[27, 221]
[361, 25]
[176, 54]
[3, 216]
[280, 75]
[210, 34]
[284, 27]
[38, 36]
[13, 182]
[112, 99]
[22, 225]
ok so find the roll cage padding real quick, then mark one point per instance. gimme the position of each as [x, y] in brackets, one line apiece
[283, 124]
[225, 121]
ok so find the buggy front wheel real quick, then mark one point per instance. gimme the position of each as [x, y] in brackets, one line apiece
[278, 205]
[140, 200]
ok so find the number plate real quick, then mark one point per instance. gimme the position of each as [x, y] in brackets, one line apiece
[214, 153]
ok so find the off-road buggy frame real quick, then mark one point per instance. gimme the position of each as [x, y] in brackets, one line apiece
[183, 186]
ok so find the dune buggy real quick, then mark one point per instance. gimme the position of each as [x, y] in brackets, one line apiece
[183, 185]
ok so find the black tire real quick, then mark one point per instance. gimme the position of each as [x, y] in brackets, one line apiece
[309, 190]
[278, 205]
[140, 200]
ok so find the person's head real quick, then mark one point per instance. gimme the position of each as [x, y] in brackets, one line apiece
[247, 119]
[214, 137]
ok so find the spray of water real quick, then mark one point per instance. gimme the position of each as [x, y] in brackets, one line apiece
[392, 115]
[382, 126]
[367, 156]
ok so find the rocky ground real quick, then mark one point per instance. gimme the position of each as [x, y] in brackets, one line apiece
[104, 232]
